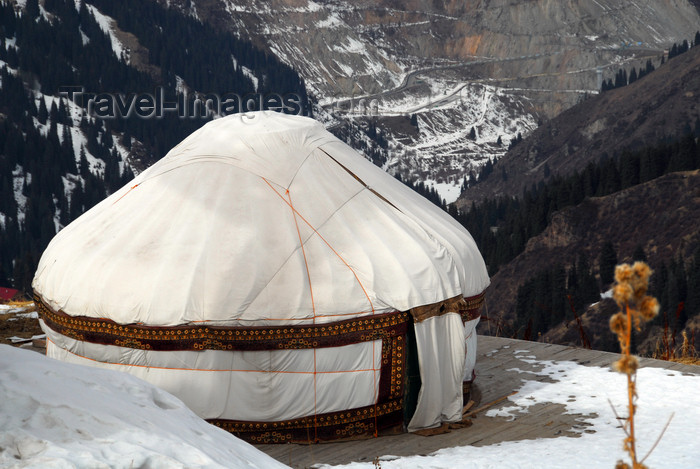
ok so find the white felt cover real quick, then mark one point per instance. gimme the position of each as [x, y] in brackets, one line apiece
[263, 219]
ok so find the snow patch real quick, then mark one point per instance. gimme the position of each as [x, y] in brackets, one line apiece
[584, 392]
[55, 414]
[107, 25]
[18, 180]
[251, 76]
[331, 21]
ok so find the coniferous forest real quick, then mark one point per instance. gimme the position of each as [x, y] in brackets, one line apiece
[502, 227]
[519, 219]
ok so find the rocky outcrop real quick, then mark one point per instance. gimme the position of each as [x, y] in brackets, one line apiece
[541, 56]
[367, 46]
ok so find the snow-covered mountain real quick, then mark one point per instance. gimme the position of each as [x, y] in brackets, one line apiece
[500, 66]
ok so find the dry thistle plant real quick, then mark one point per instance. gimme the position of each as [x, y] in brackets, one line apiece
[689, 354]
[630, 293]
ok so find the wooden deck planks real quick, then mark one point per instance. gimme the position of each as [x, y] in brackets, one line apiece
[500, 370]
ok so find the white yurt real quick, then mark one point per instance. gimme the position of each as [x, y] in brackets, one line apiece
[278, 283]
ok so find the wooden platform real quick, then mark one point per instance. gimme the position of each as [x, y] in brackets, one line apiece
[493, 380]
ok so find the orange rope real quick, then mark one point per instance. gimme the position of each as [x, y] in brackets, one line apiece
[324, 240]
[303, 252]
[313, 304]
[124, 195]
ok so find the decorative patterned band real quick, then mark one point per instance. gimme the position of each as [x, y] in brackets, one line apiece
[469, 308]
[199, 337]
[324, 427]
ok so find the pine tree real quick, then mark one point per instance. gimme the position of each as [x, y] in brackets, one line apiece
[589, 286]
[63, 117]
[32, 8]
[607, 262]
[84, 165]
[692, 305]
[126, 138]
[659, 287]
[649, 66]
[42, 113]
[559, 303]
[683, 158]
[673, 52]
[629, 170]
[486, 170]
[639, 254]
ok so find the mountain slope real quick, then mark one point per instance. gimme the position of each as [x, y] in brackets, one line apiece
[653, 108]
[660, 216]
[440, 60]
[367, 46]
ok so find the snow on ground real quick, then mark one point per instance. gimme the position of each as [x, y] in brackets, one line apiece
[60, 415]
[107, 25]
[442, 153]
[10, 309]
[447, 190]
[11, 42]
[251, 76]
[585, 390]
[15, 339]
[18, 179]
[331, 21]
[19, 315]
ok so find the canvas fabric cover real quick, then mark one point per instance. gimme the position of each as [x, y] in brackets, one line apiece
[264, 219]
[349, 376]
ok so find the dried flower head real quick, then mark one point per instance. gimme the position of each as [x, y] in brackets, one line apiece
[627, 364]
[622, 292]
[622, 465]
[648, 308]
[640, 280]
[642, 270]
[617, 323]
[623, 273]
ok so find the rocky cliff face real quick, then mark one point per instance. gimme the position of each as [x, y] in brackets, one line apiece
[655, 107]
[433, 59]
[367, 46]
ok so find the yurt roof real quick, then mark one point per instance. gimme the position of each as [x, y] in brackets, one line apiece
[259, 218]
